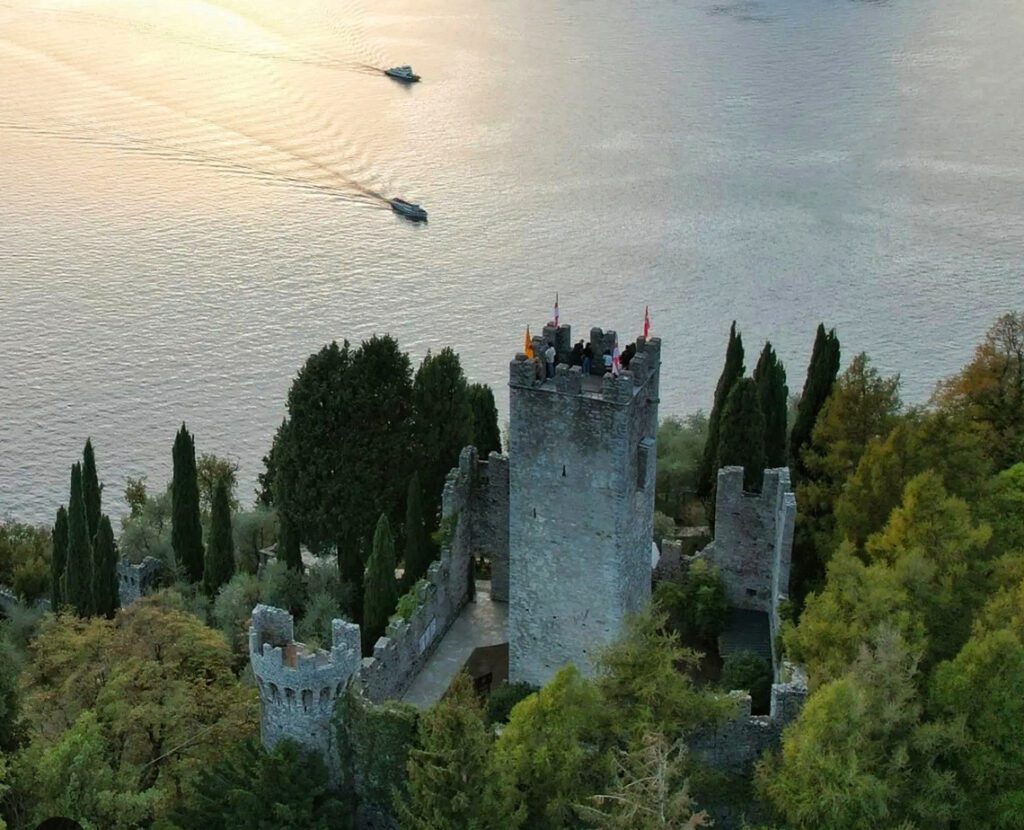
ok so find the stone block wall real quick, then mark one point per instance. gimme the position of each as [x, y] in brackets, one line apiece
[298, 686]
[582, 460]
[135, 581]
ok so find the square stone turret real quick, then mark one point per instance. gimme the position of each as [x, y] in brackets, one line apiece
[582, 458]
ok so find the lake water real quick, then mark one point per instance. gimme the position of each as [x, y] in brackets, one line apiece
[190, 198]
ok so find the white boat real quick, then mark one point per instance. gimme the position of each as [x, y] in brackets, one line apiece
[409, 209]
[402, 73]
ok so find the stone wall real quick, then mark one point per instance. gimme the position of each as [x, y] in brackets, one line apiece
[298, 686]
[735, 745]
[9, 602]
[582, 459]
[135, 581]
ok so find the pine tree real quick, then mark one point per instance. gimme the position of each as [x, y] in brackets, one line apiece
[186, 527]
[59, 559]
[91, 489]
[78, 580]
[418, 551]
[220, 552]
[770, 376]
[821, 374]
[448, 774]
[289, 545]
[731, 372]
[486, 435]
[106, 595]
[741, 440]
[443, 423]
[381, 591]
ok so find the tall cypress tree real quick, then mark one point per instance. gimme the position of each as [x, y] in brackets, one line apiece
[770, 376]
[220, 552]
[821, 374]
[78, 581]
[418, 552]
[381, 592]
[106, 595]
[486, 435]
[741, 440]
[186, 527]
[731, 372]
[289, 544]
[59, 559]
[91, 489]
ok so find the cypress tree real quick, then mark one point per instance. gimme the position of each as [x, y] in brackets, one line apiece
[220, 552]
[186, 527]
[731, 372]
[821, 374]
[770, 376]
[91, 489]
[741, 439]
[381, 592]
[104, 586]
[289, 545]
[78, 581]
[418, 551]
[59, 559]
[486, 435]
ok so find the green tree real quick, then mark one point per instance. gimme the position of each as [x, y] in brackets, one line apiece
[849, 761]
[418, 550]
[381, 597]
[11, 660]
[448, 777]
[650, 791]
[443, 423]
[741, 434]
[186, 527]
[821, 374]
[26, 559]
[105, 591]
[553, 754]
[773, 395]
[289, 547]
[680, 447]
[285, 788]
[59, 558]
[990, 390]
[78, 581]
[731, 372]
[92, 490]
[211, 470]
[220, 552]
[1002, 506]
[696, 605]
[486, 434]
[135, 495]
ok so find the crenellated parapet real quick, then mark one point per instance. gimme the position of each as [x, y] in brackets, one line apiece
[298, 686]
[136, 581]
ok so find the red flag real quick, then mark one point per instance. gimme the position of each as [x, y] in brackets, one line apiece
[647, 323]
[616, 359]
[556, 309]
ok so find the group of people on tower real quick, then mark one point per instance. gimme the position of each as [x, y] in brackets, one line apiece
[583, 356]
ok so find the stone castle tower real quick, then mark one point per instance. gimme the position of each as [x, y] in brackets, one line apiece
[581, 503]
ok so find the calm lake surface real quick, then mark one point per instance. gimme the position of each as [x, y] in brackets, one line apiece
[190, 198]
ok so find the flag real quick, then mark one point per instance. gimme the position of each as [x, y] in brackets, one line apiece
[528, 345]
[556, 310]
[647, 323]
[616, 359]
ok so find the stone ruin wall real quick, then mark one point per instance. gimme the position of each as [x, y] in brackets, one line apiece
[298, 687]
[137, 581]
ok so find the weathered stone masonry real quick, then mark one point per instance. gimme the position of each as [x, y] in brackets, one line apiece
[581, 505]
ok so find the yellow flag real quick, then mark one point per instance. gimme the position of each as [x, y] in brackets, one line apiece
[528, 346]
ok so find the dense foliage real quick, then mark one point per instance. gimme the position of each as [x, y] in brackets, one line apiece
[381, 597]
[731, 372]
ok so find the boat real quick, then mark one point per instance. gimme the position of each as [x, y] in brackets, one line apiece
[409, 209]
[402, 73]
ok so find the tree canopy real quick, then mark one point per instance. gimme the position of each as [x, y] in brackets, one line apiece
[732, 371]
[186, 524]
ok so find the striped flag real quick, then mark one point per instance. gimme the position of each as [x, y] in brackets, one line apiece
[528, 345]
[647, 323]
[556, 318]
[616, 359]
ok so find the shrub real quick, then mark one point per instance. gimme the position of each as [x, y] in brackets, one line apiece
[232, 610]
[284, 588]
[504, 698]
[664, 526]
[696, 605]
[314, 629]
[749, 672]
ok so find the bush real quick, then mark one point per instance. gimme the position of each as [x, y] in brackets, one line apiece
[284, 588]
[25, 552]
[253, 531]
[232, 610]
[680, 448]
[749, 672]
[696, 605]
[314, 629]
[664, 527]
[504, 698]
[323, 578]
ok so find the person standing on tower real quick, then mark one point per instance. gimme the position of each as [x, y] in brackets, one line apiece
[588, 358]
[549, 359]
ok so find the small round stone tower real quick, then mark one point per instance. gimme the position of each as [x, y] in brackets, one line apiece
[298, 686]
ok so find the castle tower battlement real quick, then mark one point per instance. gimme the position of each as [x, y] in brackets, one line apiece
[582, 455]
[298, 686]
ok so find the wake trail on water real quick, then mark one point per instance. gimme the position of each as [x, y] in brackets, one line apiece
[154, 107]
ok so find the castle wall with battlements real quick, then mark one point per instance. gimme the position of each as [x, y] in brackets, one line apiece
[581, 505]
